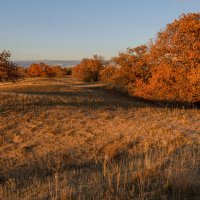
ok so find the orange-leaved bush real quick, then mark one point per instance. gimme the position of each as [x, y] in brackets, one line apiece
[44, 70]
[174, 61]
[107, 73]
[9, 72]
[40, 70]
[67, 71]
[89, 68]
[127, 67]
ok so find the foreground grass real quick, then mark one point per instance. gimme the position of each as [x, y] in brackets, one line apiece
[61, 139]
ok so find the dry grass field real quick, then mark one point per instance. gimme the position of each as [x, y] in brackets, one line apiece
[62, 139]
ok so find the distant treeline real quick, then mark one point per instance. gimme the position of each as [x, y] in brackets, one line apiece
[167, 68]
[9, 71]
[44, 70]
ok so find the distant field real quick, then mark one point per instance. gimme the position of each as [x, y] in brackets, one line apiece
[64, 139]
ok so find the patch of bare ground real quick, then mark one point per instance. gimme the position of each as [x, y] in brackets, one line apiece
[64, 139]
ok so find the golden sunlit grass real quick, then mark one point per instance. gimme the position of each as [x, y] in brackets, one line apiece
[63, 139]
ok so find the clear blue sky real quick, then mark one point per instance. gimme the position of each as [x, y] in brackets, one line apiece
[73, 29]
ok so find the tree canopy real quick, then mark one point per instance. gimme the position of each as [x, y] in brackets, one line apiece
[8, 70]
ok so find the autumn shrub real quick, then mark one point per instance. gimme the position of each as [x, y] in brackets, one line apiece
[41, 70]
[129, 66]
[167, 69]
[49, 71]
[9, 72]
[107, 74]
[67, 71]
[88, 70]
[35, 70]
[57, 71]
[116, 77]
[175, 63]
[160, 84]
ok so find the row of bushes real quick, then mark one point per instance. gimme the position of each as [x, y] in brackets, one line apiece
[168, 68]
[44, 70]
[10, 72]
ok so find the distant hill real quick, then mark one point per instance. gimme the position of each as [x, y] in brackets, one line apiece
[62, 63]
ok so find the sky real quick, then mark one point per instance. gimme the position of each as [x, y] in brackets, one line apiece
[76, 29]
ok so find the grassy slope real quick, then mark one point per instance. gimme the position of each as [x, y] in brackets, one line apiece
[62, 139]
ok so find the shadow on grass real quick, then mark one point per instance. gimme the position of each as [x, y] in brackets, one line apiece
[148, 102]
[51, 163]
[90, 99]
[46, 166]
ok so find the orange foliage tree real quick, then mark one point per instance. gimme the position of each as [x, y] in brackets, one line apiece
[67, 71]
[9, 72]
[127, 67]
[40, 70]
[58, 71]
[107, 73]
[89, 68]
[174, 59]
[168, 69]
